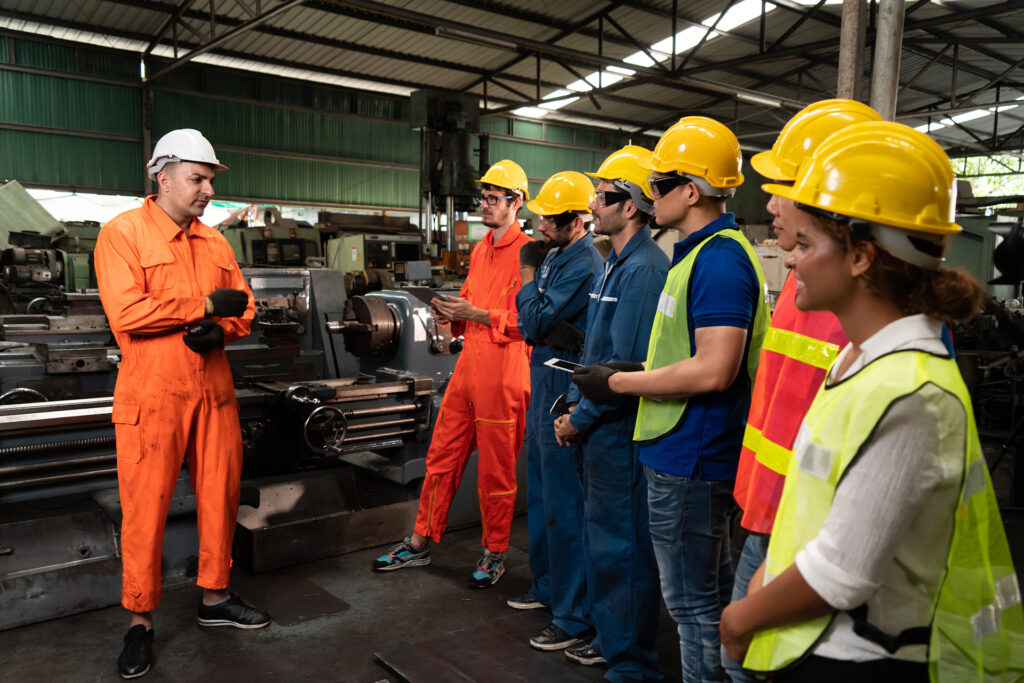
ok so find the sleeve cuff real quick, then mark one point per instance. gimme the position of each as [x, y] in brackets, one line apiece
[836, 586]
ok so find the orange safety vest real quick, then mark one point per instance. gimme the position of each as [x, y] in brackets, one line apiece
[798, 349]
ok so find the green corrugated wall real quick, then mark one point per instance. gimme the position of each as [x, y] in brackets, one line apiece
[284, 140]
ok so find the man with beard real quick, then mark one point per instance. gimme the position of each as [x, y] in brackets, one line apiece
[557, 274]
[485, 403]
[622, 574]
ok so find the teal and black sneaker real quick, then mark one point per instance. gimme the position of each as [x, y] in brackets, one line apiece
[402, 555]
[488, 570]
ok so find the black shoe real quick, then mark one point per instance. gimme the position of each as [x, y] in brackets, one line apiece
[525, 601]
[553, 638]
[137, 654]
[232, 611]
[585, 654]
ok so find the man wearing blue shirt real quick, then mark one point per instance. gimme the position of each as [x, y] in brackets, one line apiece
[695, 389]
[552, 305]
[622, 574]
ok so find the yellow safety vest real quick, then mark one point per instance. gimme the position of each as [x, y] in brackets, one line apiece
[670, 337]
[977, 629]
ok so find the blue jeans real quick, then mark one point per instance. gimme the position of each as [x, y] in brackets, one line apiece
[689, 522]
[755, 548]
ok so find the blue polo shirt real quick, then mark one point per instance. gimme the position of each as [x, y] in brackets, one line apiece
[723, 291]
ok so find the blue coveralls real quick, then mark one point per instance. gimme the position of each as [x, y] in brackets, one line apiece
[622, 572]
[554, 500]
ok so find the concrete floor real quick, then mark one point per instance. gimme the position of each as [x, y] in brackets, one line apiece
[329, 618]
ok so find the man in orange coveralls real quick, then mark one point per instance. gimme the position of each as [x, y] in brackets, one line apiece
[485, 402]
[174, 296]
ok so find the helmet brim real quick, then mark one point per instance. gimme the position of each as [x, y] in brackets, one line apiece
[767, 165]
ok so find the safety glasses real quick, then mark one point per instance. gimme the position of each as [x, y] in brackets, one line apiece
[662, 186]
[606, 198]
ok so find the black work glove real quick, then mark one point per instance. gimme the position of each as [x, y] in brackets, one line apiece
[593, 382]
[532, 254]
[624, 366]
[206, 335]
[565, 337]
[228, 303]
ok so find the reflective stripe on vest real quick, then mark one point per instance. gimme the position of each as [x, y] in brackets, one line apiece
[805, 349]
[670, 336]
[798, 347]
[977, 630]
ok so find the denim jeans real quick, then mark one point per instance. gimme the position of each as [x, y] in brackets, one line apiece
[689, 522]
[755, 548]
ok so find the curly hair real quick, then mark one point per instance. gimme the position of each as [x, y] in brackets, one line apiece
[947, 294]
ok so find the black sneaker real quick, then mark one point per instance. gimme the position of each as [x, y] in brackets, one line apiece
[585, 654]
[137, 655]
[553, 638]
[232, 611]
[525, 601]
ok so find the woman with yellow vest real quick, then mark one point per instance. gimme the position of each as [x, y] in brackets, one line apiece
[887, 560]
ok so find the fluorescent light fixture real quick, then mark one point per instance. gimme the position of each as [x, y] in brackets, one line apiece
[765, 100]
[641, 58]
[530, 112]
[629, 72]
[560, 103]
[966, 116]
[685, 39]
[477, 38]
[929, 127]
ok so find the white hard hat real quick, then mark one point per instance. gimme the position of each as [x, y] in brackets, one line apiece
[184, 144]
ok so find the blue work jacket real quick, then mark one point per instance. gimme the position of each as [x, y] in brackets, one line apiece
[559, 292]
[619, 319]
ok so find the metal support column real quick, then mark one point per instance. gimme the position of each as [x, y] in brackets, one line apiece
[885, 71]
[851, 49]
[147, 135]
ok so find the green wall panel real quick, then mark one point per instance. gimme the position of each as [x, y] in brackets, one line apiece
[45, 55]
[257, 176]
[561, 134]
[56, 102]
[531, 130]
[542, 161]
[70, 161]
[494, 124]
[105, 65]
[289, 130]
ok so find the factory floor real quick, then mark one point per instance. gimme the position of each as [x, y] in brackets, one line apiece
[330, 619]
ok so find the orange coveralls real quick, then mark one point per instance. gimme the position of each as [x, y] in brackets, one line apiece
[485, 402]
[169, 400]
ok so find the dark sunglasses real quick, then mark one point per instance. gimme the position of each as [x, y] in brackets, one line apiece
[662, 186]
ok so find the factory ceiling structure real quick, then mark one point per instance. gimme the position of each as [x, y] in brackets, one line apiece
[636, 66]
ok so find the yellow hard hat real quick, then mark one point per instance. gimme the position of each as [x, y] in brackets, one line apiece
[509, 175]
[882, 172]
[805, 131]
[700, 147]
[565, 191]
[627, 165]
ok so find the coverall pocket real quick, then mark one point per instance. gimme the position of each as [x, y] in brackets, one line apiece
[225, 269]
[127, 432]
[158, 265]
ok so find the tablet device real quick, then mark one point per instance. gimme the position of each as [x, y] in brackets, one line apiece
[424, 294]
[559, 364]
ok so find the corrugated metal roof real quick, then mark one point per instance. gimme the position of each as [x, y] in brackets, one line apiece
[452, 43]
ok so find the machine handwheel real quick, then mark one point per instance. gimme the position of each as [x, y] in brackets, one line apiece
[325, 430]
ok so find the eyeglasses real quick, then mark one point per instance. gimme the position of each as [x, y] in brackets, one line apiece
[491, 199]
[608, 198]
[662, 186]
